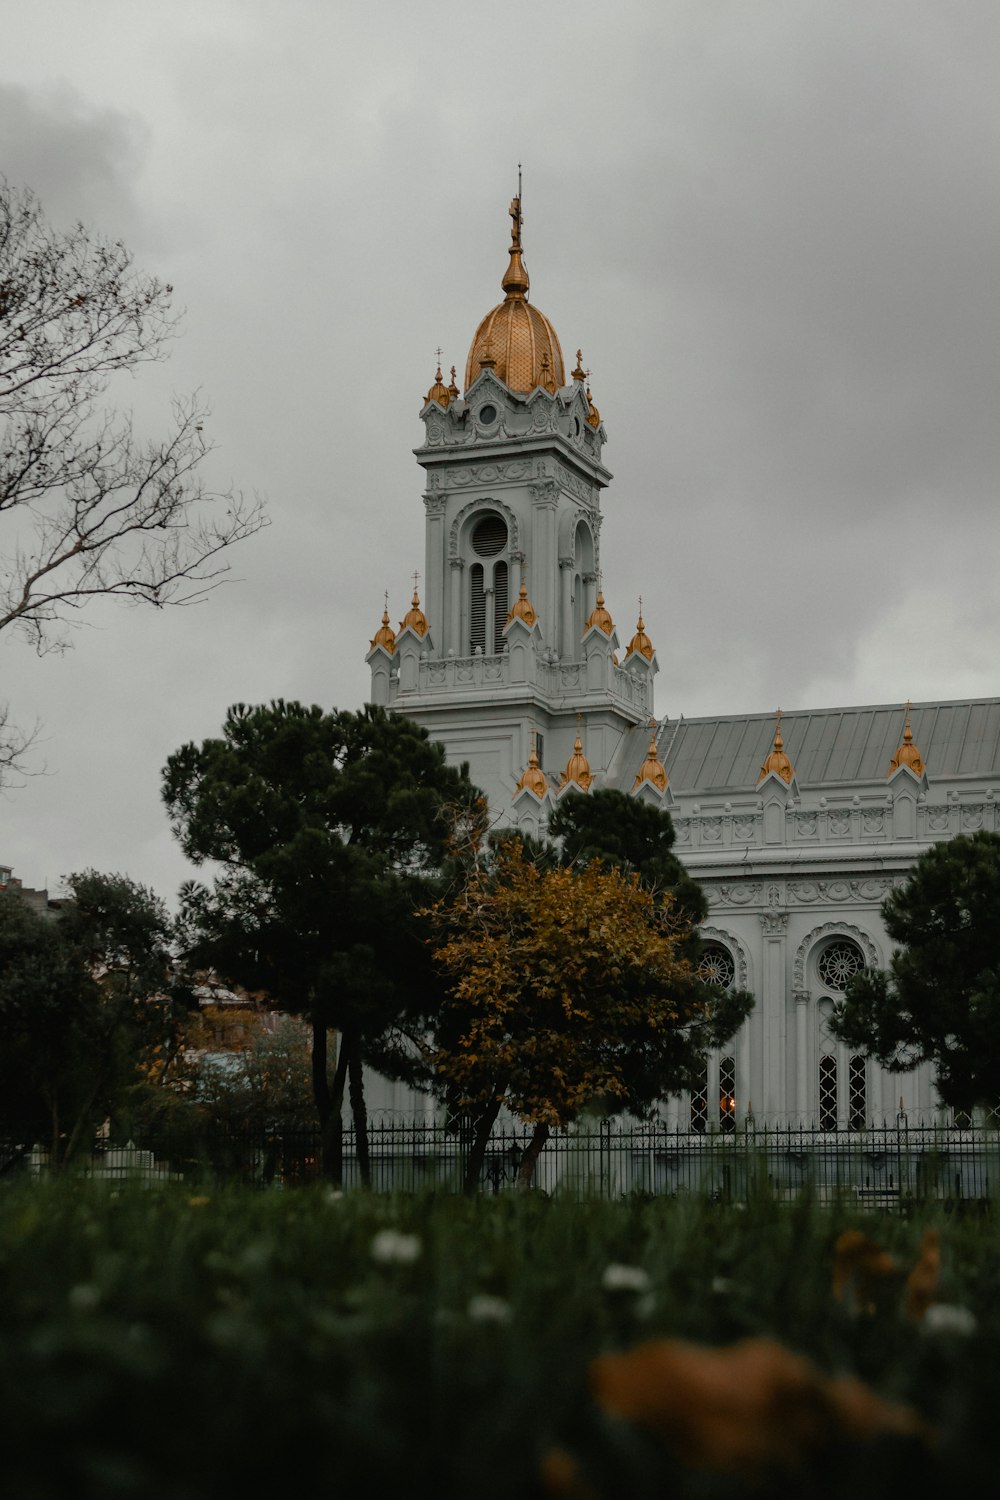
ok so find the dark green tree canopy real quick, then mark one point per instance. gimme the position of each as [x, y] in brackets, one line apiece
[85, 995]
[939, 1000]
[620, 830]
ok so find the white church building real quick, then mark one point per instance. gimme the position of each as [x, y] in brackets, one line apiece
[795, 825]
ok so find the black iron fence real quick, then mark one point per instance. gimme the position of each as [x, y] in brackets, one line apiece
[887, 1167]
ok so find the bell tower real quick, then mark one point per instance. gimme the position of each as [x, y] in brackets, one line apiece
[513, 652]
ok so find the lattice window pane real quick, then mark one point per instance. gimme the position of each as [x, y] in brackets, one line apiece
[699, 1103]
[727, 1094]
[839, 962]
[858, 1093]
[717, 965]
[828, 1093]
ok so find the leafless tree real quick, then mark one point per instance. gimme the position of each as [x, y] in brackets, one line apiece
[87, 508]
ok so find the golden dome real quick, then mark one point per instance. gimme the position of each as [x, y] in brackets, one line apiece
[415, 617]
[577, 768]
[515, 339]
[600, 616]
[533, 777]
[777, 761]
[523, 608]
[907, 755]
[439, 392]
[383, 635]
[640, 642]
[652, 768]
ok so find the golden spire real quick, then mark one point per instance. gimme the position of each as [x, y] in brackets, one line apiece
[414, 619]
[640, 642]
[439, 392]
[453, 388]
[600, 616]
[777, 762]
[383, 635]
[907, 755]
[515, 282]
[533, 777]
[578, 766]
[514, 338]
[651, 769]
[579, 373]
[593, 416]
[523, 609]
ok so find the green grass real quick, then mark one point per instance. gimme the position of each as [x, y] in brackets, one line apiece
[156, 1344]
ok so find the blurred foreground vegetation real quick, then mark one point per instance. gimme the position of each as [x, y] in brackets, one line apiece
[167, 1343]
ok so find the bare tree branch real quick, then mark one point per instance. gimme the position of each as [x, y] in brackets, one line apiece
[87, 508]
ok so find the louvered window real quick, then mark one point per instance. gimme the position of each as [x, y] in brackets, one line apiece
[500, 605]
[477, 609]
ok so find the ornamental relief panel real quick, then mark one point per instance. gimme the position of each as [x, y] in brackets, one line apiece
[839, 825]
[711, 830]
[488, 473]
[746, 829]
[805, 825]
[972, 818]
[809, 891]
[873, 821]
[938, 819]
[744, 894]
[682, 832]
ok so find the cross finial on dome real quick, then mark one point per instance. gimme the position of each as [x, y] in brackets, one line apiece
[579, 373]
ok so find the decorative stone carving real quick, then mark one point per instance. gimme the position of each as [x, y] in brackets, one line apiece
[972, 818]
[739, 895]
[682, 831]
[938, 819]
[805, 825]
[774, 924]
[745, 829]
[873, 821]
[839, 825]
[711, 830]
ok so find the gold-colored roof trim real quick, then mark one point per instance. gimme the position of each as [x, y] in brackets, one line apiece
[577, 768]
[415, 619]
[777, 762]
[600, 616]
[384, 636]
[640, 644]
[652, 768]
[907, 755]
[522, 608]
[533, 777]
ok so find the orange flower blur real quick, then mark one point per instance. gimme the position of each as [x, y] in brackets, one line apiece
[750, 1409]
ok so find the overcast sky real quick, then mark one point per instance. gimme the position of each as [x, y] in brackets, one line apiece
[773, 227]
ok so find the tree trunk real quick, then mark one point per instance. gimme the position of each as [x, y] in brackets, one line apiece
[329, 1102]
[476, 1157]
[526, 1171]
[359, 1114]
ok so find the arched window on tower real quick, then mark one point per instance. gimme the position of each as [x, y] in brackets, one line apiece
[489, 591]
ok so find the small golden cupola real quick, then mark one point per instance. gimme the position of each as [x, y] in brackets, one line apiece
[384, 636]
[593, 416]
[577, 772]
[777, 762]
[907, 755]
[414, 619]
[652, 769]
[600, 617]
[640, 644]
[453, 388]
[514, 339]
[533, 777]
[439, 392]
[523, 609]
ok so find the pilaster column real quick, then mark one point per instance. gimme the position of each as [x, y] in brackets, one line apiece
[774, 925]
[455, 642]
[567, 646]
[802, 998]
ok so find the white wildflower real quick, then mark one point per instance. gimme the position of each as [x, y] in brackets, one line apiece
[483, 1308]
[84, 1297]
[619, 1278]
[944, 1317]
[392, 1248]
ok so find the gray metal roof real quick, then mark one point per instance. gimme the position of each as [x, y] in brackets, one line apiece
[829, 746]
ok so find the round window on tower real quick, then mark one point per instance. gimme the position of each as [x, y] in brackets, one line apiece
[489, 535]
[487, 414]
[839, 962]
[717, 965]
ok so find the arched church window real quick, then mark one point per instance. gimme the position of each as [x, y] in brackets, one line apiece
[727, 1095]
[857, 1092]
[839, 962]
[477, 609]
[717, 966]
[500, 606]
[827, 1092]
[489, 535]
[699, 1102]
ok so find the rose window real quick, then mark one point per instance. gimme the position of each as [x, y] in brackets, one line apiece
[717, 966]
[839, 963]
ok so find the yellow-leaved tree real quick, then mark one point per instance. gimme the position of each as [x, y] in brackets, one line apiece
[566, 987]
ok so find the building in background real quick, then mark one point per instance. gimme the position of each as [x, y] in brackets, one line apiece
[796, 825]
